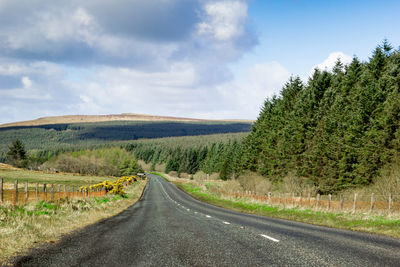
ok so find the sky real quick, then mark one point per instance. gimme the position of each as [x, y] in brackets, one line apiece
[188, 58]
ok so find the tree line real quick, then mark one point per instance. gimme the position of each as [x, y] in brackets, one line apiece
[221, 157]
[335, 131]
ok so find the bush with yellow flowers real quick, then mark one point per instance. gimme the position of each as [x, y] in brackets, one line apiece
[117, 187]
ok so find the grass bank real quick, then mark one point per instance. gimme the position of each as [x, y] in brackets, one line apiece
[357, 222]
[10, 175]
[23, 227]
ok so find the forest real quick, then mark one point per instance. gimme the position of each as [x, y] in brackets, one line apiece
[337, 130]
[46, 140]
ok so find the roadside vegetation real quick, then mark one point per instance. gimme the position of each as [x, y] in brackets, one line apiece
[23, 227]
[365, 222]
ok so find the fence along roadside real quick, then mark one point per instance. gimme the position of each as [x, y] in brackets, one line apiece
[35, 192]
[353, 203]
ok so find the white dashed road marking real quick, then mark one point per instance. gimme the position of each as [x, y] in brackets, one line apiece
[270, 238]
[208, 216]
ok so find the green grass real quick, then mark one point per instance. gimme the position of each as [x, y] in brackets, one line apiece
[357, 222]
[33, 224]
[9, 176]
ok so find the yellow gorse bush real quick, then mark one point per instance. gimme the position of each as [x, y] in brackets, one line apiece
[117, 187]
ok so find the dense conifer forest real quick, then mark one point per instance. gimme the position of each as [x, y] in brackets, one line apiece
[337, 130]
[220, 153]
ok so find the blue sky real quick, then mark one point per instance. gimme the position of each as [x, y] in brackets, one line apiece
[189, 58]
[299, 34]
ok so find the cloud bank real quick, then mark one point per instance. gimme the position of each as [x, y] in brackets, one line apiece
[167, 57]
[164, 57]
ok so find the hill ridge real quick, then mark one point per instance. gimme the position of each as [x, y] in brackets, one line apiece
[66, 119]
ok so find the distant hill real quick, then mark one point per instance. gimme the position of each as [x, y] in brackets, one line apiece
[52, 134]
[67, 119]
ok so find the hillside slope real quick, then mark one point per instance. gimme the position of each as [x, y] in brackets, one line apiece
[67, 119]
[60, 137]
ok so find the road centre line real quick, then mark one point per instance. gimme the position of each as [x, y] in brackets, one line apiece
[270, 238]
[208, 216]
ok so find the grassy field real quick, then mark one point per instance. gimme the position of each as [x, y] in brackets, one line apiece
[386, 225]
[10, 175]
[27, 226]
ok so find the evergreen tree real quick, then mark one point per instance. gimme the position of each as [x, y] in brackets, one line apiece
[17, 155]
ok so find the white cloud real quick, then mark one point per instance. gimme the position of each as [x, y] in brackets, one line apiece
[165, 56]
[331, 60]
[26, 82]
[248, 95]
[224, 20]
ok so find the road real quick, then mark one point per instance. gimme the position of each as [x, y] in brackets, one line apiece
[169, 228]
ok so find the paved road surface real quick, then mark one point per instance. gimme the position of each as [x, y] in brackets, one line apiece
[169, 228]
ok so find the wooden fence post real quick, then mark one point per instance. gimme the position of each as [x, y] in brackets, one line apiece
[269, 197]
[64, 192]
[371, 209]
[73, 191]
[58, 192]
[300, 200]
[329, 201]
[52, 192]
[16, 192]
[309, 199]
[341, 202]
[26, 193]
[45, 191]
[318, 197]
[37, 192]
[293, 200]
[1, 190]
[355, 203]
[390, 204]
[284, 200]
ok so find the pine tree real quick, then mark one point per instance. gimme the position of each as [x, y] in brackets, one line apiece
[17, 155]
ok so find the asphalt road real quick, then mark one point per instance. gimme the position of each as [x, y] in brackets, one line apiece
[169, 228]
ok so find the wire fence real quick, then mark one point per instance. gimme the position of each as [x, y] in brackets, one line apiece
[34, 192]
[349, 202]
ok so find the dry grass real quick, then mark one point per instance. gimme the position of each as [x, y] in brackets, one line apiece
[24, 227]
[145, 166]
[9, 175]
[7, 167]
[254, 182]
[160, 167]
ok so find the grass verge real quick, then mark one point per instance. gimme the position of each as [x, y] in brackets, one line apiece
[10, 175]
[23, 227]
[356, 222]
